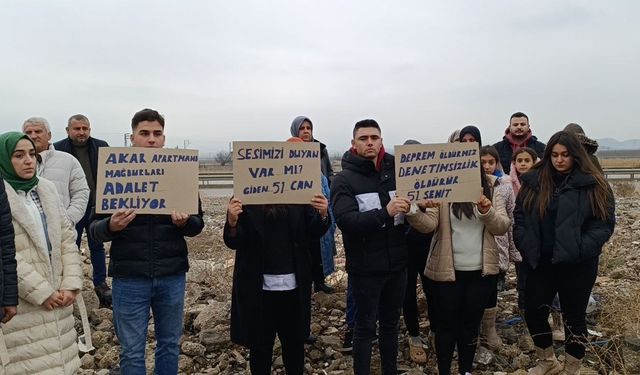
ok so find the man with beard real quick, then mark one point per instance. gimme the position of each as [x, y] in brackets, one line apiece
[83, 147]
[517, 135]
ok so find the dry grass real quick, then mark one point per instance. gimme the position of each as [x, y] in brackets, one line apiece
[620, 317]
[625, 189]
[621, 312]
[620, 163]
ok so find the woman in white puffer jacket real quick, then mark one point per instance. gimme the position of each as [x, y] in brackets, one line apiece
[41, 338]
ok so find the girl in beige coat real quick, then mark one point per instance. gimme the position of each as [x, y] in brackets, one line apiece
[463, 264]
[41, 338]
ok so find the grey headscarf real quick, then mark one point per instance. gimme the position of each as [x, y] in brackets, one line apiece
[297, 123]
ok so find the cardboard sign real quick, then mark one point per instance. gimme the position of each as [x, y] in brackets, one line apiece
[443, 172]
[276, 172]
[149, 180]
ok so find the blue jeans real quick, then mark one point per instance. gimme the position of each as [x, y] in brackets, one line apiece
[377, 298]
[96, 249]
[132, 299]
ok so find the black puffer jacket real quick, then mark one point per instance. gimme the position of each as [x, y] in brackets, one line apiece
[373, 245]
[246, 303]
[579, 235]
[150, 246]
[506, 152]
[8, 273]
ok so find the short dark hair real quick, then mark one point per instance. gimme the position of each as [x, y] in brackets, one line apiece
[146, 115]
[518, 114]
[79, 117]
[368, 123]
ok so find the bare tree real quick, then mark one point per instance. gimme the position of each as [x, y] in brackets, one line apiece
[222, 157]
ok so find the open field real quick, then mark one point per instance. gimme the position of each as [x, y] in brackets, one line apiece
[620, 163]
[206, 348]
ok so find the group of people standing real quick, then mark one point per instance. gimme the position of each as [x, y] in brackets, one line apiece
[47, 189]
[546, 208]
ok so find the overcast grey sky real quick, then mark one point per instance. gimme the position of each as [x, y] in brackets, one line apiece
[242, 70]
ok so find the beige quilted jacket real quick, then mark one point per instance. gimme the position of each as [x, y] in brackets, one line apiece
[38, 341]
[440, 263]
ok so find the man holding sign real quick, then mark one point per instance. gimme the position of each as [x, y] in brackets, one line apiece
[148, 264]
[370, 217]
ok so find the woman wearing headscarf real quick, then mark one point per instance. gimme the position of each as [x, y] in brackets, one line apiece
[41, 338]
[463, 263]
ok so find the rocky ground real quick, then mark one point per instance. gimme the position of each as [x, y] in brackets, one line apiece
[206, 348]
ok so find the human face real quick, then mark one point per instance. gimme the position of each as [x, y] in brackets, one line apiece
[79, 132]
[148, 134]
[523, 162]
[488, 164]
[560, 158]
[519, 127]
[23, 159]
[39, 135]
[306, 132]
[468, 137]
[367, 142]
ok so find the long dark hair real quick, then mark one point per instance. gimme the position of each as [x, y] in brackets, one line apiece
[466, 208]
[598, 195]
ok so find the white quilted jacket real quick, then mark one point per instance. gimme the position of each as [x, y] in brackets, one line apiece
[39, 341]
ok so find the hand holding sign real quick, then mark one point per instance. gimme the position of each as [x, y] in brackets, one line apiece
[320, 203]
[428, 204]
[179, 219]
[121, 218]
[483, 204]
[398, 205]
[233, 211]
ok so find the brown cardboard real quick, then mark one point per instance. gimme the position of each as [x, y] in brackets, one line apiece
[149, 180]
[442, 172]
[276, 172]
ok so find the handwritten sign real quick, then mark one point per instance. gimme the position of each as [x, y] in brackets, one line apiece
[446, 172]
[276, 172]
[149, 180]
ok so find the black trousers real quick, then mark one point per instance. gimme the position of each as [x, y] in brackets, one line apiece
[460, 306]
[418, 246]
[521, 282]
[281, 315]
[317, 270]
[377, 298]
[573, 283]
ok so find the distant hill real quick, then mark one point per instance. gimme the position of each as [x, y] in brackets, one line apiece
[614, 144]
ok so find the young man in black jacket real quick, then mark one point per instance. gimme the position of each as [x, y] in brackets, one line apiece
[84, 147]
[148, 264]
[370, 217]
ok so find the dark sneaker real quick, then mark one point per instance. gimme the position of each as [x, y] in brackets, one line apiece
[323, 287]
[347, 345]
[104, 295]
